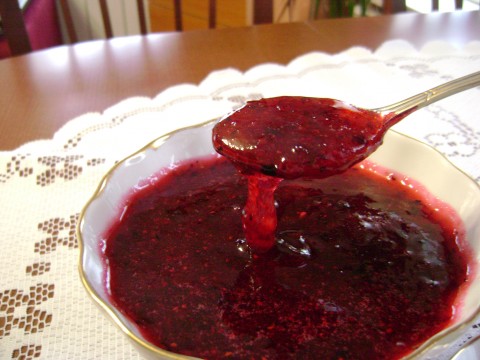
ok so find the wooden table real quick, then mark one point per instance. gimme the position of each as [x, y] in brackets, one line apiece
[43, 90]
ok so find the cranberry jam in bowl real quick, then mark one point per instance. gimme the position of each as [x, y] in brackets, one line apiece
[379, 262]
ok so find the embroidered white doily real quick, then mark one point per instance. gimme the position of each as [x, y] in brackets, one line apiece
[44, 310]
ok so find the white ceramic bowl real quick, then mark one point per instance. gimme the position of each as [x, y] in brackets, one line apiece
[400, 153]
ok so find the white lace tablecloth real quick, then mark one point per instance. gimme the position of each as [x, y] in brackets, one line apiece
[44, 310]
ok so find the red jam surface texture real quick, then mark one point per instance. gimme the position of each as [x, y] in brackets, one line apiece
[292, 136]
[382, 277]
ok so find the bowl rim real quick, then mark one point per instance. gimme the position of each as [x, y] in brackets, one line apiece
[155, 144]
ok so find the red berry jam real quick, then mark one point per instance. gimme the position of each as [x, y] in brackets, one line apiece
[292, 136]
[379, 275]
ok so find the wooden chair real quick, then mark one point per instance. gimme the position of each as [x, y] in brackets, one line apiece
[395, 6]
[263, 13]
[14, 27]
[18, 41]
[436, 4]
[107, 24]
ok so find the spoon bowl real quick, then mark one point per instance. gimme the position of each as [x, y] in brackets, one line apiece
[291, 137]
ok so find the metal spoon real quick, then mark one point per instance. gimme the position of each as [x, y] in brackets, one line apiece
[413, 103]
[290, 137]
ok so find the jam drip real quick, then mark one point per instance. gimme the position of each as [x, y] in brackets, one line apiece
[259, 214]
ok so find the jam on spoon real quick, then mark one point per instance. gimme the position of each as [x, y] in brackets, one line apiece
[290, 137]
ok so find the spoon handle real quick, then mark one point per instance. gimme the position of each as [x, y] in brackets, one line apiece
[430, 96]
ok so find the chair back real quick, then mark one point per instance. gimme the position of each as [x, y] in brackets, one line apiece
[14, 29]
[15, 32]
[13, 26]
[107, 24]
[262, 13]
[212, 14]
[395, 6]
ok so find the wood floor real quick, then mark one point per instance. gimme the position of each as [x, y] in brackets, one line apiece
[230, 13]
